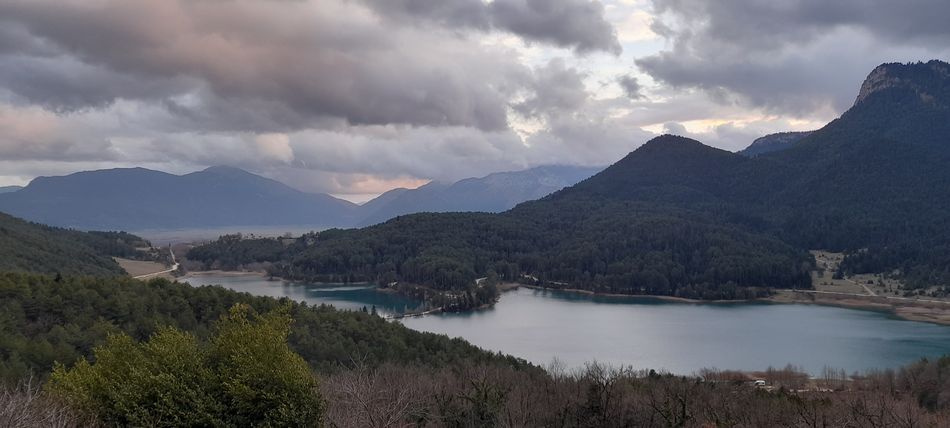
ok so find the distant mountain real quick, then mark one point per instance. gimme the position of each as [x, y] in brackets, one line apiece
[139, 199]
[492, 193]
[676, 217]
[773, 143]
[8, 189]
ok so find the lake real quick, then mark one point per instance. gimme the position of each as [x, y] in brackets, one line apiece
[343, 296]
[682, 338]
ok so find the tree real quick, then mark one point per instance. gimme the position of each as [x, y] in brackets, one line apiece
[245, 376]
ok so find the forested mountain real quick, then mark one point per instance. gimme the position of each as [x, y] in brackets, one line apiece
[773, 143]
[31, 247]
[9, 189]
[679, 218]
[138, 199]
[493, 193]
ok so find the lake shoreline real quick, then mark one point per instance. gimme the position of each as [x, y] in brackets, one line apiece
[910, 310]
[640, 296]
[201, 273]
[930, 312]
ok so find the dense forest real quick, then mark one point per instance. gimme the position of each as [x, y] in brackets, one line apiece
[44, 320]
[32, 247]
[679, 218]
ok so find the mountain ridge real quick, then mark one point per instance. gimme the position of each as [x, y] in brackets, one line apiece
[139, 198]
[495, 192]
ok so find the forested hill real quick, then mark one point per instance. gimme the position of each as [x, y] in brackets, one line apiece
[31, 247]
[48, 321]
[679, 218]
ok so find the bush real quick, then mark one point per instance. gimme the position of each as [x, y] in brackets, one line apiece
[245, 376]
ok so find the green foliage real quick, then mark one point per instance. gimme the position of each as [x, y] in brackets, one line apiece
[43, 321]
[232, 251]
[32, 247]
[246, 376]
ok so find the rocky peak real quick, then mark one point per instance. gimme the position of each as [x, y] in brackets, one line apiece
[913, 76]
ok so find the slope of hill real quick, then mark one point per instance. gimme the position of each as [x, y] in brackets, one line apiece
[9, 189]
[493, 193]
[138, 199]
[77, 313]
[30, 247]
[773, 143]
[678, 218]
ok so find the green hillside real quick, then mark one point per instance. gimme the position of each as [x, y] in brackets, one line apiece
[45, 320]
[32, 247]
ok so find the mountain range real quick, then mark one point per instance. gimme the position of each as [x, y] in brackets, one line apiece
[8, 189]
[139, 199]
[493, 193]
[142, 199]
[676, 217]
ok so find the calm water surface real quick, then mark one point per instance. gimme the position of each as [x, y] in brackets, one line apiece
[644, 333]
[343, 296]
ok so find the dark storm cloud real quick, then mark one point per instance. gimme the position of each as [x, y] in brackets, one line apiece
[557, 89]
[301, 62]
[631, 87]
[767, 24]
[793, 56]
[62, 84]
[575, 24]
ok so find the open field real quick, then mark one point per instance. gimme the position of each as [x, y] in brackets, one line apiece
[866, 291]
[137, 268]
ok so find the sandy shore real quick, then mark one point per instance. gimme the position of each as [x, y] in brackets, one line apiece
[909, 309]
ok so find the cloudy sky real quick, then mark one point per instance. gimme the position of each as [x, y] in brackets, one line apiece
[354, 97]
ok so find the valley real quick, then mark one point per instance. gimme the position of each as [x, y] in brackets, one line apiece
[474, 214]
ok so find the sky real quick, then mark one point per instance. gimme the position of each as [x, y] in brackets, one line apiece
[356, 97]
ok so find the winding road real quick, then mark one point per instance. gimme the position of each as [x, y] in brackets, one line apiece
[173, 268]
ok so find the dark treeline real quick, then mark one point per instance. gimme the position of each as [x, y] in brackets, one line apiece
[45, 320]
